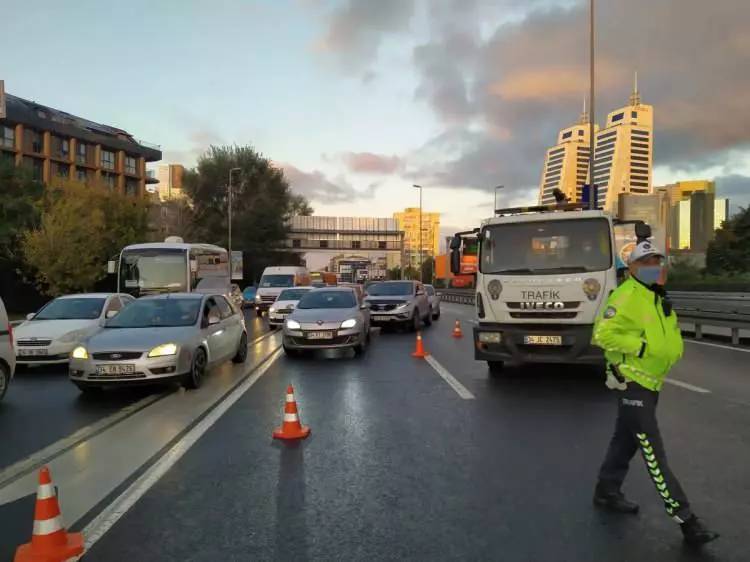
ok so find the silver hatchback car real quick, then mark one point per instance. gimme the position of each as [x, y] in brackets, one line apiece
[330, 318]
[161, 338]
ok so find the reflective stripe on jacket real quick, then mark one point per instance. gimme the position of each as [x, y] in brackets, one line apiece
[636, 336]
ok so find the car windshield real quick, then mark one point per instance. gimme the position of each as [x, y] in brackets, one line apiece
[277, 281]
[327, 299]
[560, 246]
[163, 313]
[72, 309]
[397, 289]
[151, 270]
[292, 294]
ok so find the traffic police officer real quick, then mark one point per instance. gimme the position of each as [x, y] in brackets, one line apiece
[642, 341]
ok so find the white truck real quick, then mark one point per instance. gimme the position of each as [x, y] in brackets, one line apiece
[543, 273]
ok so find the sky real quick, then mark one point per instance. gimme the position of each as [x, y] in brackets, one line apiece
[359, 99]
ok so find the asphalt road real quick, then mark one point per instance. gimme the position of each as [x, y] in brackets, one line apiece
[42, 406]
[403, 464]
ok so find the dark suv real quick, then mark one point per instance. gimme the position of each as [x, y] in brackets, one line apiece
[399, 303]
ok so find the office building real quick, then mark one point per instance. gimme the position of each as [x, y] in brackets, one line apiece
[566, 164]
[408, 221]
[695, 219]
[55, 146]
[624, 152]
[312, 233]
[170, 177]
[682, 190]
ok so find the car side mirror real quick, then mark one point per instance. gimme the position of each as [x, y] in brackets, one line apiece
[111, 313]
[213, 319]
[30, 316]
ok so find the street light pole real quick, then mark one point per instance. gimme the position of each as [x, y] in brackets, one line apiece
[229, 205]
[592, 202]
[420, 231]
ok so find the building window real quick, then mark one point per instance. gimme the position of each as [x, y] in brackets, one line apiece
[567, 135]
[130, 165]
[639, 184]
[382, 245]
[296, 243]
[33, 141]
[580, 132]
[62, 171]
[81, 153]
[109, 180]
[35, 165]
[8, 137]
[618, 117]
[131, 186]
[81, 175]
[108, 160]
[634, 114]
[356, 244]
[323, 243]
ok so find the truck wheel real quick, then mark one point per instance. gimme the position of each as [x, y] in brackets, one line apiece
[495, 368]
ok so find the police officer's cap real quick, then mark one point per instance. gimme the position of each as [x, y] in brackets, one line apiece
[644, 249]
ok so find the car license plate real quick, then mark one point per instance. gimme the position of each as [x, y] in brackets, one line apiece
[319, 335]
[542, 340]
[115, 369]
[381, 318]
[32, 352]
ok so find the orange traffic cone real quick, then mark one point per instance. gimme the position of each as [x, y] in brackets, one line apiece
[49, 540]
[457, 333]
[291, 428]
[419, 352]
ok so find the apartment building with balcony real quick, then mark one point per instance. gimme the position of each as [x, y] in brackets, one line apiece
[55, 145]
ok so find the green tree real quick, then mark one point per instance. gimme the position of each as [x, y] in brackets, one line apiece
[20, 205]
[394, 273]
[261, 208]
[729, 252]
[80, 229]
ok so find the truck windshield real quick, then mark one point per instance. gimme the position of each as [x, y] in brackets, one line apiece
[552, 246]
[276, 281]
[153, 270]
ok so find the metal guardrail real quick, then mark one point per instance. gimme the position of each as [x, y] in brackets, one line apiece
[721, 310]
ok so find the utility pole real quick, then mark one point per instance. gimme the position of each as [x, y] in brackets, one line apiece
[230, 191]
[420, 231]
[592, 201]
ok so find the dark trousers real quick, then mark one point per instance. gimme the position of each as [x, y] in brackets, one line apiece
[636, 428]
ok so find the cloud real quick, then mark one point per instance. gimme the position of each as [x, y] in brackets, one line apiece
[370, 163]
[316, 186]
[503, 95]
[736, 188]
[357, 28]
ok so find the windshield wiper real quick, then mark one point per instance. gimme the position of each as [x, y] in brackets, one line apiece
[512, 271]
[563, 269]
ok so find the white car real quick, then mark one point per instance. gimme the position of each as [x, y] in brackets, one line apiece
[7, 357]
[284, 305]
[48, 336]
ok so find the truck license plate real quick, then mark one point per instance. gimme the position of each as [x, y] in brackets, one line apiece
[127, 369]
[542, 340]
[320, 335]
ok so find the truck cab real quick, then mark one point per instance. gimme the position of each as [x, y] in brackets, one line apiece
[543, 274]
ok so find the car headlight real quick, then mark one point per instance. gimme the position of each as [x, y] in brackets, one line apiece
[163, 350]
[402, 306]
[70, 337]
[272, 309]
[80, 353]
[349, 323]
[293, 324]
[257, 298]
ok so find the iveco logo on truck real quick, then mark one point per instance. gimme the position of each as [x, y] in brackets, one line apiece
[542, 305]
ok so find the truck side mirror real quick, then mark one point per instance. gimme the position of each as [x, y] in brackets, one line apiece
[642, 231]
[456, 262]
[111, 267]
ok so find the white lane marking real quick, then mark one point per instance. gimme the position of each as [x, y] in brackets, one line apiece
[732, 348]
[43, 456]
[113, 512]
[460, 389]
[688, 386]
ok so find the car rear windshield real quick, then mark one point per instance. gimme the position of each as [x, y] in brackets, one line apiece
[397, 289]
[162, 313]
[270, 281]
[327, 299]
[292, 294]
[72, 309]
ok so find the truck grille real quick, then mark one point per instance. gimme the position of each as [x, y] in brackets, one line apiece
[33, 343]
[547, 310]
[267, 298]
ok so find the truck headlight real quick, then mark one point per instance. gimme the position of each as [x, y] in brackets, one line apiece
[292, 324]
[257, 298]
[163, 350]
[80, 353]
[349, 323]
[490, 337]
[272, 309]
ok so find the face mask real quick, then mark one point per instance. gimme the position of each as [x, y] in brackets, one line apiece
[649, 274]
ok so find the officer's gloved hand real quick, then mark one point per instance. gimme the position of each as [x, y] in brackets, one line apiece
[613, 382]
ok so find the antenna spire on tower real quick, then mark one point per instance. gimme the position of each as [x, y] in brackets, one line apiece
[635, 97]
[584, 118]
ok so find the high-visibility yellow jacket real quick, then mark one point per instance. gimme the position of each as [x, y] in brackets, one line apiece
[636, 336]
